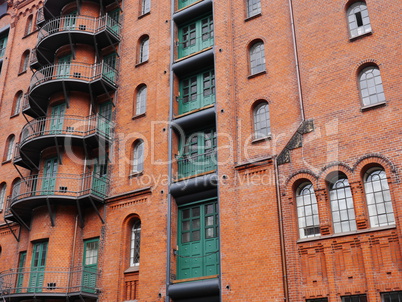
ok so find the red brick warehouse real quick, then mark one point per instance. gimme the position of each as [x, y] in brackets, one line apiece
[203, 151]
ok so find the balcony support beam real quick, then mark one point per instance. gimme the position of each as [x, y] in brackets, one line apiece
[12, 231]
[57, 150]
[19, 172]
[19, 219]
[96, 210]
[30, 161]
[30, 97]
[51, 214]
[66, 95]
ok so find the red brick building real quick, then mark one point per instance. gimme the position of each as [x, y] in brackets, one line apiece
[200, 151]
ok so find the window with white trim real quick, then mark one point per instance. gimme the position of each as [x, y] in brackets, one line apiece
[262, 127]
[138, 157]
[257, 58]
[145, 6]
[371, 89]
[10, 147]
[307, 211]
[141, 102]
[3, 188]
[135, 243]
[358, 19]
[253, 8]
[144, 50]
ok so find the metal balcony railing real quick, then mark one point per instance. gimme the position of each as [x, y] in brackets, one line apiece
[183, 3]
[79, 23]
[67, 125]
[188, 166]
[57, 280]
[60, 185]
[74, 71]
[195, 101]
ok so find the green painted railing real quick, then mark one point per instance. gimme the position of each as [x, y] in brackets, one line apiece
[196, 164]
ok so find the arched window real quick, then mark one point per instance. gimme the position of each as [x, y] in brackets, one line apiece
[8, 154]
[28, 27]
[378, 198]
[3, 188]
[138, 157]
[24, 60]
[15, 191]
[358, 19]
[17, 103]
[144, 49]
[135, 243]
[370, 83]
[141, 100]
[343, 213]
[253, 8]
[257, 58]
[307, 211]
[262, 126]
[145, 6]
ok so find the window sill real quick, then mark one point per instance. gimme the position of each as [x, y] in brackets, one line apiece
[22, 72]
[351, 39]
[30, 34]
[373, 106]
[138, 116]
[257, 74]
[261, 139]
[144, 14]
[132, 269]
[252, 17]
[15, 115]
[6, 161]
[135, 174]
[375, 229]
[141, 63]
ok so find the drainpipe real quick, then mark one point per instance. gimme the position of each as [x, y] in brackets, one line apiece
[281, 232]
[170, 154]
[296, 55]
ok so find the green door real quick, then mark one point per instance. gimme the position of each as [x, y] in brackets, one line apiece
[63, 66]
[113, 20]
[70, 20]
[109, 67]
[57, 118]
[199, 154]
[198, 253]
[49, 176]
[197, 91]
[105, 116]
[99, 177]
[37, 267]
[90, 265]
[196, 36]
[20, 276]
[184, 3]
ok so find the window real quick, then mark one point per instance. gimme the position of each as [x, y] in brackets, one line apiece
[262, 128]
[9, 148]
[17, 103]
[371, 89]
[138, 157]
[141, 102]
[392, 297]
[358, 19]
[307, 211]
[144, 49]
[24, 61]
[378, 198]
[135, 243]
[28, 27]
[3, 188]
[253, 8]
[15, 189]
[354, 298]
[3, 43]
[145, 6]
[317, 300]
[257, 58]
[343, 213]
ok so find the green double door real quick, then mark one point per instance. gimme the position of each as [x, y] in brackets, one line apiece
[197, 91]
[90, 265]
[113, 20]
[63, 66]
[99, 177]
[199, 154]
[57, 119]
[196, 36]
[109, 67]
[37, 267]
[198, 241]
[70, 20]
[20, 276]
[104, 120]
[49, 176]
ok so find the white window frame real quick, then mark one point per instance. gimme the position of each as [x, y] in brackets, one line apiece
[257, 58]
[370, 84]
[307, 211]
[253, 8]
[262, 127]
[358, 13]
[138, 157]
[2, 196]
[135, 243]
[141, 100]
[144, 50]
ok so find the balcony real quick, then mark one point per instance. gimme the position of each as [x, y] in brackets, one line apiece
[91, 132]
[20, 284]
[103, 31]
[52, 8]
[67, 189]
[192, 45]
[194, 102]
[96, 78]
[198, 164]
